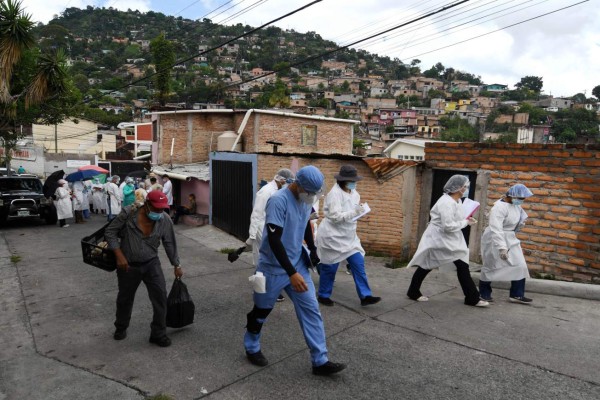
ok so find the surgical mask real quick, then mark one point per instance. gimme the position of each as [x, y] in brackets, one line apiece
[351, 185]
[154, 216]
[307, 198]
[517, 202]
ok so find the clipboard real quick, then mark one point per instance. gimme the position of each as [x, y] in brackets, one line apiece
[367, 210]
[470, 207]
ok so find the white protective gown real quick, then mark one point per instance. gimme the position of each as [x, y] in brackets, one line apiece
[64, 208]
[443, 242]
[257, 219]
[98, 199]
[337, 239]
[113, 191]
[168, 191]
[78, 198]
[505, 220]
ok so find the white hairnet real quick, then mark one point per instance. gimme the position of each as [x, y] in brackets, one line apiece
[61, 181]
[519, 190]
[284, 174]
[455, 183]
[129, 179]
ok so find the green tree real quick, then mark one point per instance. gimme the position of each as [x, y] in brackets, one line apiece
[457, 130]
[163, 54]
[534, 83]
[596, 92]
[27, 77]
[579, 98]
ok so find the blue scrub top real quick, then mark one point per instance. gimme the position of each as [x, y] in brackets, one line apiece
[284, 210]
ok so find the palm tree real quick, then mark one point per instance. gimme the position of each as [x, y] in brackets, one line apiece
[46, 80]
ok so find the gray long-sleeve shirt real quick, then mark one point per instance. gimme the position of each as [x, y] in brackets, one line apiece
[134, 245]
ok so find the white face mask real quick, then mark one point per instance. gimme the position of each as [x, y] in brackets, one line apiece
[307, 198]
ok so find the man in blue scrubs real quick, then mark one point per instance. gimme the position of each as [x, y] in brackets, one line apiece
[285, 263]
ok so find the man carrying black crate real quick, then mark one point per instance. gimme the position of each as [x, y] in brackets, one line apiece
[140, 231]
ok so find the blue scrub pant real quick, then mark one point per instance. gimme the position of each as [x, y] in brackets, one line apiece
[307, 311]
[517, 288]
[357, 266]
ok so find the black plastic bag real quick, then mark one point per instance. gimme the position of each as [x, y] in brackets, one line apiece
[180, 307]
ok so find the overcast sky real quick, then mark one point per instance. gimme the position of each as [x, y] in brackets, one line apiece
[563, 47]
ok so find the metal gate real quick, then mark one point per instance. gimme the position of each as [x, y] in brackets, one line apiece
[232, 194]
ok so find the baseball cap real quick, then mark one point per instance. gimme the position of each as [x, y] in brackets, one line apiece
[157, 199]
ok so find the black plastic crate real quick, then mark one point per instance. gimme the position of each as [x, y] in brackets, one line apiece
[96, 254]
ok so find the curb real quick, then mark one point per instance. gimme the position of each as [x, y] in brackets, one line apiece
[554, 288]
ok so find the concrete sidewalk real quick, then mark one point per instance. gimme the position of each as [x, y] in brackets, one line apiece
[57, 314]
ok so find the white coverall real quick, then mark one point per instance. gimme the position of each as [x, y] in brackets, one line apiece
[505, 220]
[64, 208]
[168, 191]
[114, 203]
[257, 219]
[443, 241]
[78, 197]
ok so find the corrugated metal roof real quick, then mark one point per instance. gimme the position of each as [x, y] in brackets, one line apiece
[199, 171]
[387, 168]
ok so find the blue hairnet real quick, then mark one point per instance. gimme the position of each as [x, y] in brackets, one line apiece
[310, 179]
[455, 183]
[519, 190]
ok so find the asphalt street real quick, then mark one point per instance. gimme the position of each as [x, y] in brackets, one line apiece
[57, 313]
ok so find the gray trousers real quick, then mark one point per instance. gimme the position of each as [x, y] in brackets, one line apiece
[151, 274]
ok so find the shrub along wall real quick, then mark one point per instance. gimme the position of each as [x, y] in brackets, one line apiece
[562, 235]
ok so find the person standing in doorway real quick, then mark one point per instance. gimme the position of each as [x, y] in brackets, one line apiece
[501, 250]
[141, 230]
[443, 244]
[63, 204]
[285, 263]
[337, 240]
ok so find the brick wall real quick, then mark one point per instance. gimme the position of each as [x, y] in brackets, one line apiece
[332, 137]
[562, 235]
[386, 229]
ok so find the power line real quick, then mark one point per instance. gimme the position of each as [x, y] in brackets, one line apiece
[353, 43]
[500, 29]
[218, 46]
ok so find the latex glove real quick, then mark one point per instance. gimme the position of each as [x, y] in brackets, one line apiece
[359, 209]
[314, 216]
[471, 221]
[503, 254]
[250, 241]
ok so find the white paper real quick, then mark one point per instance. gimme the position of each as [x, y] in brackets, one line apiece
[469, 207]
[367, 210]
[259, 282]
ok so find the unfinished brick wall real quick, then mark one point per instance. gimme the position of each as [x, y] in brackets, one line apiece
[385, 229]
[562, 236]
[332, 137]
[195, 135]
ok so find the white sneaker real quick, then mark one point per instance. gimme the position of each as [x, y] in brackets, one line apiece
[65, 226]
[482, 303]
[423, 298]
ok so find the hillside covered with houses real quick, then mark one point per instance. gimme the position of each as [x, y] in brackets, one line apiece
[113, 67]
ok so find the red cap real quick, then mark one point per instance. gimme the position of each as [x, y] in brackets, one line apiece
[158, 199]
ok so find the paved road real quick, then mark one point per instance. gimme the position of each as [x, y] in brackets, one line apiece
[56, 316]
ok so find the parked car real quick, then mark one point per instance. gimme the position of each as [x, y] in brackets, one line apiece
[21, 197]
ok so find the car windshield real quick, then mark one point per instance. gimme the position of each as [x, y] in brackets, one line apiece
[33, 185]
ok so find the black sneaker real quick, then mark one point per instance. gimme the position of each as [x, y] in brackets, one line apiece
[257, 358]
[369, 300]
[162, 341]
[329, 368]
[280, 298]
[521, 300]
[120, 334]
[326, 301]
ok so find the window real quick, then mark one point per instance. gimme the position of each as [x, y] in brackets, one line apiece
[309, 135]
[412, 157]
[400, 156]
[419, 158]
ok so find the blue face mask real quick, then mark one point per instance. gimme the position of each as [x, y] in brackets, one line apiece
[517, 202]
[351, 185]
[154, 216]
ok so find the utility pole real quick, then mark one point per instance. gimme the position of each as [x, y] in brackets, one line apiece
[55, 138]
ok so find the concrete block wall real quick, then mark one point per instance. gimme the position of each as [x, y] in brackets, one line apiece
[562, 235]
[387, 229]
